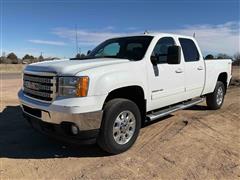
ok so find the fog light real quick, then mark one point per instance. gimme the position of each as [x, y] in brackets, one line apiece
[74, 129]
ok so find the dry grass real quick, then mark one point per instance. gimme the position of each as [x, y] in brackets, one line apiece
[11, 68]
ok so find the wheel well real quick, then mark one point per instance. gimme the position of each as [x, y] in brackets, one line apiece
[223, 78]
[133, 93]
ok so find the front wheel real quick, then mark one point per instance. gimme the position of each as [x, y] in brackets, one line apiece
[215, 99]
[120, 126]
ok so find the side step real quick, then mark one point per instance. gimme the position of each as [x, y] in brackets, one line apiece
[167, 111]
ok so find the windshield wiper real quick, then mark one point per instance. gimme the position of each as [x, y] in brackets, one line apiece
[82, 58]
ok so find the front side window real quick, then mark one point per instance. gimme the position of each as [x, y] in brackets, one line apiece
[189, 49]
[132, 48]
[160, 51]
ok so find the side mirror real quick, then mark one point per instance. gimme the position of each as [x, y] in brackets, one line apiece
[174, 55]
[88, 52]
[154, 60]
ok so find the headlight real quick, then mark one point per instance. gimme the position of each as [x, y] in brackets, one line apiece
[73, 86]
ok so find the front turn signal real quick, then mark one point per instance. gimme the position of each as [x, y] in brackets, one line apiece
[82, 86]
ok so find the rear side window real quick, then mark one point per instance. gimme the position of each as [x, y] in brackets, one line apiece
[189, 48]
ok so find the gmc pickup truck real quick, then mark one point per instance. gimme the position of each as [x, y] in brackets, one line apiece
[124, 82]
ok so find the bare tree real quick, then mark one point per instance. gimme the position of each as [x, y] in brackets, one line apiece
[236, 56]
[223, 56]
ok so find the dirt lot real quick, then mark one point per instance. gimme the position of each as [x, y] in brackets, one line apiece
[13, 68]
[191, 144]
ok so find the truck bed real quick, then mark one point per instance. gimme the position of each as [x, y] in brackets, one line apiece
[213, 69]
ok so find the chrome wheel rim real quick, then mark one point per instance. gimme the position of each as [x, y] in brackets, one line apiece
[220, 95]
[124, 127]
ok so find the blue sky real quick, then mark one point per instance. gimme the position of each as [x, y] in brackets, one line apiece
[49, 26]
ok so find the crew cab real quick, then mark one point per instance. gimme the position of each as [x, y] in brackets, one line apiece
[124, 82]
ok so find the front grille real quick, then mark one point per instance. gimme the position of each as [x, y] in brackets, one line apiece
[40, 85]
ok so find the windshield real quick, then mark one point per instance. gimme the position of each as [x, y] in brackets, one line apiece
[132, 48]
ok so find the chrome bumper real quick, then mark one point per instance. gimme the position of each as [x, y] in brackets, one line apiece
[47, 112]
[84, 121]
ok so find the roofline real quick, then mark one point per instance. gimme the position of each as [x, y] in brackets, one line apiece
[156, 35]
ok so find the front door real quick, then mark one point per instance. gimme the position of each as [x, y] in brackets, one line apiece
[166, 80]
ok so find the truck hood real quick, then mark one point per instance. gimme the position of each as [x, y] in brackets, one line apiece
[71, 67]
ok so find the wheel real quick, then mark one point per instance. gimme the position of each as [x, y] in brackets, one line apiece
[215, 99]
[120, 126]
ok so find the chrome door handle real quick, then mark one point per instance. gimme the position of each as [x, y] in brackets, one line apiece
[179, 71]
[200, 68]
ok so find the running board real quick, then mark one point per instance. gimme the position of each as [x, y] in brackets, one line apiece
[165, 112]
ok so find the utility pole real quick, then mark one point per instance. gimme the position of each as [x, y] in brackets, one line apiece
[41, 55]
[77, 48]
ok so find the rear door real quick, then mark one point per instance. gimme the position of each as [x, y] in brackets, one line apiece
[194, 68]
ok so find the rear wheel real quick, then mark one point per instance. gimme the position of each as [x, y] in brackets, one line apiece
[120, 126]
[215, 99]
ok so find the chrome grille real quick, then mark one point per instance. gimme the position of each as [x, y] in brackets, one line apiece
[39, 85]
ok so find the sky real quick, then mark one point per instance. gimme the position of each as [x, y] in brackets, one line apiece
[49, 27]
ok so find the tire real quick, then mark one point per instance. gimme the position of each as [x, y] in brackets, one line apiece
[215, 99]
[118, 120]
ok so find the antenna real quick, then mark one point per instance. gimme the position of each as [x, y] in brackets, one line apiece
[194, 34]
[77, 49]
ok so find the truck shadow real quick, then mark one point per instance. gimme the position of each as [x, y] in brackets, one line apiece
[198, 108]
[18, 140]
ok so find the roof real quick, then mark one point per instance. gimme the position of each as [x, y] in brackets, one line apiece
[158, 35]
[169, 34]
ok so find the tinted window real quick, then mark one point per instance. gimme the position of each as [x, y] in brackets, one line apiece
[131, 46]
[189, 48]
[161, 49]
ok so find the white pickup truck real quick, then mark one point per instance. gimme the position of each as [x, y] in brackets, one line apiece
[107, 96]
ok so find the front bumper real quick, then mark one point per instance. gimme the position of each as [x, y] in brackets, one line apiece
[62, 131]
[57, 114]
[56, 120]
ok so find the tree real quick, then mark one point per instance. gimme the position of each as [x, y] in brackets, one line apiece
[29, 59]
[209, 56]
[27, 56]
[236, 56]
[79, 56]
[13, 58]
[83, 55]
[223, 56]
[2, 58]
